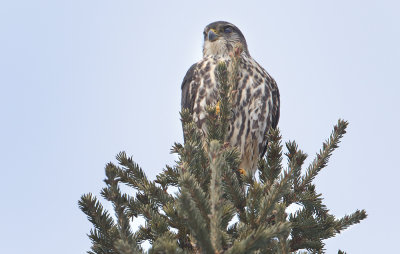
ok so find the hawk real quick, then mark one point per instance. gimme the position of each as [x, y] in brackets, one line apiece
[256, 105]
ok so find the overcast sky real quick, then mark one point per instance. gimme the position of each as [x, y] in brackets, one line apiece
[82, 80]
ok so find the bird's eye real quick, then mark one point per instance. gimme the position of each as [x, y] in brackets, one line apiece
[228, 30]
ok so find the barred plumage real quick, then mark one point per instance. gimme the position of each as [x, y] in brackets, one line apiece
[257, 106]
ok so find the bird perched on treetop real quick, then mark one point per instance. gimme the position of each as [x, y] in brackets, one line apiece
[256, 105]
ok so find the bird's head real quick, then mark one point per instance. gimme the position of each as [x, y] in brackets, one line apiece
[221, 38]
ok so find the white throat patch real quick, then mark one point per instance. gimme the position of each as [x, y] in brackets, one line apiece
[216, 48]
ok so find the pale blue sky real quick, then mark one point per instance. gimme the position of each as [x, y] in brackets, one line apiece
[82, 80]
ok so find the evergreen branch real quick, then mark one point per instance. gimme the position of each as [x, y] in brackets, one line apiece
[323, 156]
[105, 230]
[235, 193]
[169, 177]
[224, 97]
[178, 221]
[143, 233]
[174, 219]
[186, 116]
[212, 191]
[112, 193]
[277, 191]
[216, 165]
[166, 244]
[131, 174]
[312, 201]
[259, 239]
[141, 205]
[233, 231]
[124, 247]
[283, 244]
[177, 148]
[308, 231]
[190, 131]
[219, 116]
[228, 212]
[349, 220]
[95, 212]
[158, 223]
[254, 194]
[232, 158]
[100, 245]
[213, 123]
[190, 186]
[156, 195]
[271, 166]
[194, 159]
[296, 159]
[197, 225]
[232, 185]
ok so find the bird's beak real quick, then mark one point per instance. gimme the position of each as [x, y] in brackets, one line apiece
[212, 35]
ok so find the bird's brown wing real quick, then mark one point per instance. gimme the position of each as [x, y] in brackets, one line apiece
[275, 111]
[275, 106]
[188, 91]
[187, 100]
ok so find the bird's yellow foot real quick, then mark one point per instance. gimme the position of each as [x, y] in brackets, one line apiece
[217, 108]
[242, 171]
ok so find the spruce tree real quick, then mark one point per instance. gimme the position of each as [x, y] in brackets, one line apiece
[218, 208]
